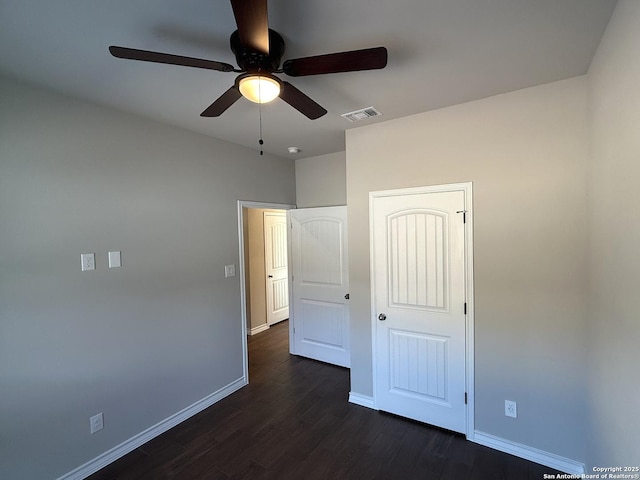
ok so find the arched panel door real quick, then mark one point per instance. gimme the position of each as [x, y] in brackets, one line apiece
[418, 281]
[320, 285]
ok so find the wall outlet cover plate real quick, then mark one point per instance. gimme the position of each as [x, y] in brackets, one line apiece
[88, 261]
[96, 423]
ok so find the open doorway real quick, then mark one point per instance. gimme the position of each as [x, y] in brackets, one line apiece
[266, 273]
[264, 277]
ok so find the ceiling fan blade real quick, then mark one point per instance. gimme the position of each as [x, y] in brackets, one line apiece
[366, 59]
[301, 102]
[253, 26]
[147, 56]
[223, 102]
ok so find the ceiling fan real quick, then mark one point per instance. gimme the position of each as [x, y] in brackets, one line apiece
[258, 51]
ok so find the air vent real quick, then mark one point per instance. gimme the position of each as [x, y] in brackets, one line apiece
[361, 114]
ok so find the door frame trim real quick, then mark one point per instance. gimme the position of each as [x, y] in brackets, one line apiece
[242, 274]
[467, 189]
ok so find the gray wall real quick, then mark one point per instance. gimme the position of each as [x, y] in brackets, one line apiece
[138, 343]
[527, 155]
[321, 181]
[614, 438]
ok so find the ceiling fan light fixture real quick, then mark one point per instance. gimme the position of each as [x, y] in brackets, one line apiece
[259, 88]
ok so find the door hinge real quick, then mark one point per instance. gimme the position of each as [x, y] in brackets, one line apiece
[465, 398]
[464, 215]
[465, 308]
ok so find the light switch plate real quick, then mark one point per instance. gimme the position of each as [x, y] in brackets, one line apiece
[115, 259]
[229, 270]
[88, 261]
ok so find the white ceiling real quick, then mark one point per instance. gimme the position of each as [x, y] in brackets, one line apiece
[441, 53]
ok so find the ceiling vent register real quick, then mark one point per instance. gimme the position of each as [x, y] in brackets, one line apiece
[361, 114]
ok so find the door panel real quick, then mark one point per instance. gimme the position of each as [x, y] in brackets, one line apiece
[419, 365]
[320, 317]
[419, 297]
[276, 269]
[417, 260]
[322, 324]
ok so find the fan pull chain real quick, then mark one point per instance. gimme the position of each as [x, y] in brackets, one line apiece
[260, 141]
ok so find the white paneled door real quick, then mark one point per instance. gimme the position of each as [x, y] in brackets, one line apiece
[418, 287]
[320, 284]
[276, 270]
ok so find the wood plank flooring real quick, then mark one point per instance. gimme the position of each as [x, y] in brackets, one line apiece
[293, 421]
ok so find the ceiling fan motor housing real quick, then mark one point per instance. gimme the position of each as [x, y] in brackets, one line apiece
[253, 61]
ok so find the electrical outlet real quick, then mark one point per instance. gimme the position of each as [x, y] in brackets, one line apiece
[96, 423]
[510, 409]
[88, 261]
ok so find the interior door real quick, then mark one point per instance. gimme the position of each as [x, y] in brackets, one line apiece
[276, 270]
[419, 297]
[320, 285]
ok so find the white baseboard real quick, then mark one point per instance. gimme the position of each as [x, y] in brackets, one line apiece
[547, 459]
[362, 400]
[532, 454]
[259, 328]
[140, 439]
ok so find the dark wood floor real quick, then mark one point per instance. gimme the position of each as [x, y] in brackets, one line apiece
[294, 421]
